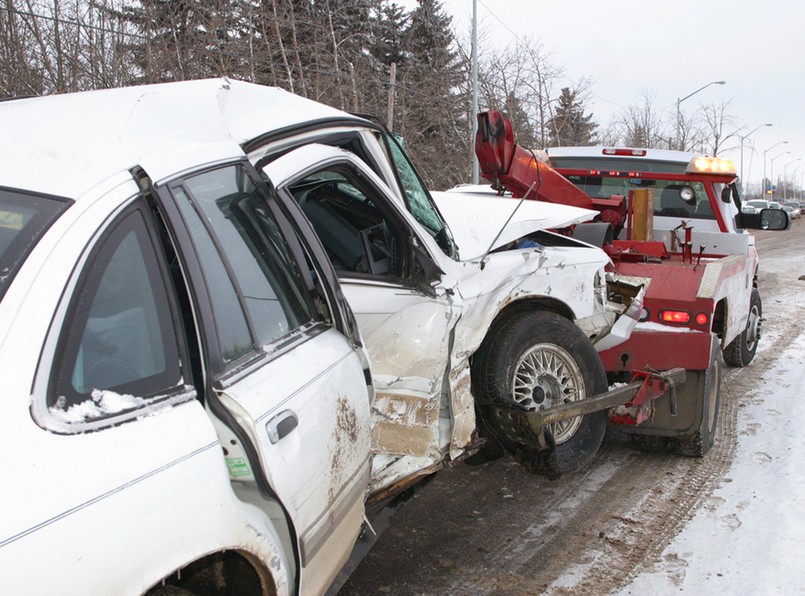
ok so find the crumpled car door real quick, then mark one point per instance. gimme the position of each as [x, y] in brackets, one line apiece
[405, 306]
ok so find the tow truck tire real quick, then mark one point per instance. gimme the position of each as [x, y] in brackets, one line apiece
[699, 443]
[650, 443]
[742, 349]
[537, 359]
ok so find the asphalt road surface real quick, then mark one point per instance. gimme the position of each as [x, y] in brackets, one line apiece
[495, 529]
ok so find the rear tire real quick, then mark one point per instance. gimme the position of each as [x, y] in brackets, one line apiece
[699, 443]
[650, 443]
[742, 349]
[535, 360]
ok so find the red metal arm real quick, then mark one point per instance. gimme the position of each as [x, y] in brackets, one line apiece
[511, 167]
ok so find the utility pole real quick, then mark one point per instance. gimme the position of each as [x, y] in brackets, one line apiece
[474, 116]
[391, 95]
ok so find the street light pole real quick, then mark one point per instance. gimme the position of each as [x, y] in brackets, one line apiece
[743, 138]
[679, 112]
[794, 181]
[763, 183]
[771, 174]
[801, 184]
[785, 167]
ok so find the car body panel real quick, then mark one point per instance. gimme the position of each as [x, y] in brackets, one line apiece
[420, 342]
[88, 486]
[481, 225]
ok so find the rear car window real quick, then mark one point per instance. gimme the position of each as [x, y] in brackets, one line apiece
[119, 348]
[24, 219]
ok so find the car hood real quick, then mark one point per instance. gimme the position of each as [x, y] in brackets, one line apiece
[479, 221]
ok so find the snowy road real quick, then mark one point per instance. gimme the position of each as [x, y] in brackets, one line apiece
[633, 523]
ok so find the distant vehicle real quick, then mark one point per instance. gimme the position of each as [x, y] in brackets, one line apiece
[796, 212]
[774, 205]
[754, 206]
[793, 212]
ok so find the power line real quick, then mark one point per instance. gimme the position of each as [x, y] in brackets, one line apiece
[62, 21]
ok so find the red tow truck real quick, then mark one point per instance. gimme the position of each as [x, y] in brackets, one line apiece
[674, 220]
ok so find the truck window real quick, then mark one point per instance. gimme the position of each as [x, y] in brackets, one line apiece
[672, 198]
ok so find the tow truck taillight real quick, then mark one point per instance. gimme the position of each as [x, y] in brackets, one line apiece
[674, 316]
[682, 317]
[625, 152]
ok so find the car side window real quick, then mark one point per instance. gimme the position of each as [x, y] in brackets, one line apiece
[257, 290]
[119, 348]
[351, 226]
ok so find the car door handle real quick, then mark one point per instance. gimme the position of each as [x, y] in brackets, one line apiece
[280, 425]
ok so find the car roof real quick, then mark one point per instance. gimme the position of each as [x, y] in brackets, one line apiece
[65, 144]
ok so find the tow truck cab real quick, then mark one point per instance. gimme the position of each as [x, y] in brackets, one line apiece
[699, 189]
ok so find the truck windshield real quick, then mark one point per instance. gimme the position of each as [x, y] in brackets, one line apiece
[672, 198]
[24, 218]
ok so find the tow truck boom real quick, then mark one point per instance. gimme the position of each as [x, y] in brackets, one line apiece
[518, 170]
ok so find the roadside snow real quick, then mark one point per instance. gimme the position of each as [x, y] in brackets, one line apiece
[749, 535]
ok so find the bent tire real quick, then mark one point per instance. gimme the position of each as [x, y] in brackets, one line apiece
[537, 360]
[742, 349]
[699, 443]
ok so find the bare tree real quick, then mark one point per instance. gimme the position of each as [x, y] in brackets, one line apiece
[721, 128]
[641, 125]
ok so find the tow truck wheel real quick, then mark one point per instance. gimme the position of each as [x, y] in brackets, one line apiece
[539, 360]
[742, 349]
[701, 441]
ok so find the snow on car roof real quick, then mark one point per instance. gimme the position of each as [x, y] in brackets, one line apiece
[65, 144]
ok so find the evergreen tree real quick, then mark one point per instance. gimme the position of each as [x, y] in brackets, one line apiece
[569, 125]
[185, 39]
[433, 113]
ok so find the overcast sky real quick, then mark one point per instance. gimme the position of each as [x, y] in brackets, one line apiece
[671, 49]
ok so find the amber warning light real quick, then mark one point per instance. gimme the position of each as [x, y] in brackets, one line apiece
[710, 165]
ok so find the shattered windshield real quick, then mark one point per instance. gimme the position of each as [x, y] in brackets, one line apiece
[419, 201]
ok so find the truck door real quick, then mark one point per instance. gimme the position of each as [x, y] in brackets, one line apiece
[286, 384]
[406, 309]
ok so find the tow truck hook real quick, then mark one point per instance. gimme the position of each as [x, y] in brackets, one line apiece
[630, 405]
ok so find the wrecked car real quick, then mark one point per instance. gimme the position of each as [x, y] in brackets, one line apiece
[231, 316]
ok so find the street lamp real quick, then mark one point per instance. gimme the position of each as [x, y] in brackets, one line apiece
[801, 184]
[785, 186]
[743, 138]
[679, 112]
[763, 184]
[794, 181]
[771, 173]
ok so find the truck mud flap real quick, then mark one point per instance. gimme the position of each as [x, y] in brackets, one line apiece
[520, 427]
[686, 414]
